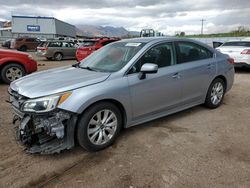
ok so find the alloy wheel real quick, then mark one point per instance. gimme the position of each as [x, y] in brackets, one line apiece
[217, 93]
[13, 73]
[102, 127]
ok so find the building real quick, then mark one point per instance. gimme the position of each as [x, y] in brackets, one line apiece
[40, 27]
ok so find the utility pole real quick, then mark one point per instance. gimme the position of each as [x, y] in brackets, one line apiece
[202, 22]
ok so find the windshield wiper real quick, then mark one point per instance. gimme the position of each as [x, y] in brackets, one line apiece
[76, 65]
[88, 68]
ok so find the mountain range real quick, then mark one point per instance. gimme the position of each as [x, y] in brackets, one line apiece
[109, 31]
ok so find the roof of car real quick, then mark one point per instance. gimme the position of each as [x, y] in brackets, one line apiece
[149, 39]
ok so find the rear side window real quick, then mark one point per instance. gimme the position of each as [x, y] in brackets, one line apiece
[55, 44]
[240, 43]
[188, 51]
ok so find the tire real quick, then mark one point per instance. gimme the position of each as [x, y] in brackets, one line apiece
[90, 136]
[23, 48]
[215, 93]
[11, 72]
[49, 58]
[58, 56]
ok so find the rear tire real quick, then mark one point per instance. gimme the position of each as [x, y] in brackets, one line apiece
[99, 126]
[58, 56]
[11, 72]
[215, 93]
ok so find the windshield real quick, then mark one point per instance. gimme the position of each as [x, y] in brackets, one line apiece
[111, 58]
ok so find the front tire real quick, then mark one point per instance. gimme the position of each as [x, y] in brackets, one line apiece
[99, 126]
[215, 93]
[11, 72]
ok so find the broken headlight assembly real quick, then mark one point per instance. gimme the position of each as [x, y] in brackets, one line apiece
[44, 104]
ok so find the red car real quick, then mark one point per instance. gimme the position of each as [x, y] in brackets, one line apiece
[90, 45]
[14, 65]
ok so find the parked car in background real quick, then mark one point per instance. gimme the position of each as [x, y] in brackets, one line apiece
[26, 43]
[56, 50]
[6, 43]
[123, 84]
[14, 65]
[239, 51]
[88, 46]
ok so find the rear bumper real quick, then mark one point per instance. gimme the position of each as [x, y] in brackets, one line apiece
[41, 54]
[241, 64]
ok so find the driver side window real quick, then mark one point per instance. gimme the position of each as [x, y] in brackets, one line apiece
[161, 54]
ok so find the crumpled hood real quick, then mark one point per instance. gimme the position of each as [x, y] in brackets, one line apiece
[56, 81]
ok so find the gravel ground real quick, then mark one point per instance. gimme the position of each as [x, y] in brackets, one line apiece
[194, 148]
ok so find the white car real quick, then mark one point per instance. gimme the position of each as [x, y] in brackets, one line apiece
[238, 50]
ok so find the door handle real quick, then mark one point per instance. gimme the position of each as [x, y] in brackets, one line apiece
[176, 76]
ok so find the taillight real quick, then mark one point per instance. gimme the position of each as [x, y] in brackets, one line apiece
[230, 60]
[246, 51]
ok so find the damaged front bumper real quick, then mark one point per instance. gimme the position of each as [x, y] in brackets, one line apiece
[44, 133]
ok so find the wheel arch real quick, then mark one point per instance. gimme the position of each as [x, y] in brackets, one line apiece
[112, 101]
[10, 62]
[58, 52]
[223, 78]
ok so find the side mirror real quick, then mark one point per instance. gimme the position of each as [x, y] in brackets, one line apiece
[147, 68]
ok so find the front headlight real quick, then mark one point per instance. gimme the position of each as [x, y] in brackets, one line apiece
[44, 104]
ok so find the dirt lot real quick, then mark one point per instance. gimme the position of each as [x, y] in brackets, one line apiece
[194, 148]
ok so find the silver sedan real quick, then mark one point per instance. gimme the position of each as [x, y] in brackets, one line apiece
[121, 85]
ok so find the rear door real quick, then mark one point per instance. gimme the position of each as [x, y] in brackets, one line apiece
[198, 68]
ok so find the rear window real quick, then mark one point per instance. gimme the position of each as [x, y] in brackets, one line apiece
[43, 44]
[55, 44]
[107, 42]
[239, 43]
[88, 43]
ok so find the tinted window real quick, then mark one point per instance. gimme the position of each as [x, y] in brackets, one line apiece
[240, 43]
[66, 44]
[162, 55]
[55, 44]
[187, 51]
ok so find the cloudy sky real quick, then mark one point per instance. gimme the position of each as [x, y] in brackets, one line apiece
[163, 15]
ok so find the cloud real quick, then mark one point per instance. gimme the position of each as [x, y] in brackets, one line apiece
[162, 15]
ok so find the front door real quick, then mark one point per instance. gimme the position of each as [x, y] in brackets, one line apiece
[160, 91]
